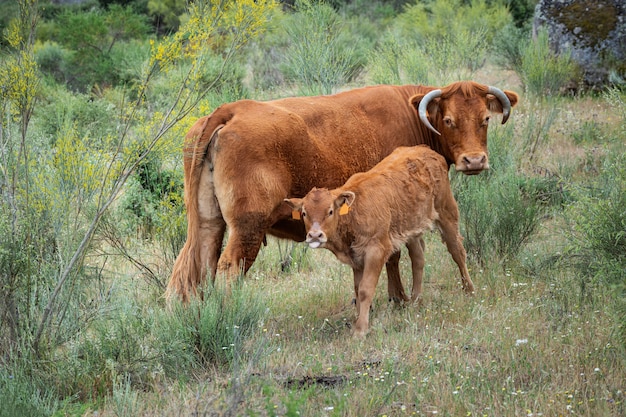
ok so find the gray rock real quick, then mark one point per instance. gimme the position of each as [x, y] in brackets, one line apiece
[595, 33]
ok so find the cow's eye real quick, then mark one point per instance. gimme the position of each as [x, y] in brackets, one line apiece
[330, 212]
[487, 120]
[448, 122]
[303, 215]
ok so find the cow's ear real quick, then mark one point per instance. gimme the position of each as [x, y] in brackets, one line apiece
[494, 104]
[432, 108]
[346, 197]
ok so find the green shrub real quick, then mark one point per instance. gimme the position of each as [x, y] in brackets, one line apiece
[91, 37]
[21, 394]
[501, 209]
[436, 18]
[508, 46]
[322, 55]
[397, 59]
[544, 73]
[53, 61]
[218, 327]
[597, 239]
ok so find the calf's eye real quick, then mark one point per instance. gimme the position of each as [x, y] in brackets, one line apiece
[330, 213]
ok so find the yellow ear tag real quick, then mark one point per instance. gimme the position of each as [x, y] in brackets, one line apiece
[295, 214]
[344, 209]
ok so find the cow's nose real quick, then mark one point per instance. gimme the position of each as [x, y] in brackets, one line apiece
[474, 163]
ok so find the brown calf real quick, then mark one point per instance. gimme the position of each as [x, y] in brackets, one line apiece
[374, 213]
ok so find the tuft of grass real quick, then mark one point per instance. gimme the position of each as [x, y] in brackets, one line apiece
[218, 327]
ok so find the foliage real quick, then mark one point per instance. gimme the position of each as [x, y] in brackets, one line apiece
[19, 396]
[461, 34]
[597, 233]
[521, 10]
[322, 55]
[66, 189]
[167, 13]
[433, 19]
[543, 73]
[91, 37]
[216, 329]
[509, 45]
[502, 208]
[400, 61]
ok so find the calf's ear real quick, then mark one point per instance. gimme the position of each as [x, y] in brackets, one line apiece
[346, 197]
[294, 203]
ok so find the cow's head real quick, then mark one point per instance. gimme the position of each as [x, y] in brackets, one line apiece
[459, 116]
[320, 209]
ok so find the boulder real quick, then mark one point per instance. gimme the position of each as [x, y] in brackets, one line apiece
[593, 30]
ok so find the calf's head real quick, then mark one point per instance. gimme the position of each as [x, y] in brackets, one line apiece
[459, 116]
[320, 209]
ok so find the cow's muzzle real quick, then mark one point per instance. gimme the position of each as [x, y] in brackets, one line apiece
[315, 238]
[472, 164]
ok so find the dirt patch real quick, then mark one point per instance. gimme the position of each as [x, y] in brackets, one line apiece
[330, 381]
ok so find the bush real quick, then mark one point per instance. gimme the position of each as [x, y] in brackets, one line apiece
[53, 61]
[91, 36]
[20, 395]
[429, 49]
[322, 55]
[502, 208]
[215, 328]
[508, 46]
[544, 73]
[436, 18]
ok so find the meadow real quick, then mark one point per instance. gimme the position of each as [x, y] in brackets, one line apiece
[92, 218]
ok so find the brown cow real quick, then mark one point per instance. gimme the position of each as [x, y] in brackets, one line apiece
[242, 160]
[374, 213]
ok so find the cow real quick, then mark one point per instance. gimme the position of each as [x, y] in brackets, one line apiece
[374, 213]
[246, 157]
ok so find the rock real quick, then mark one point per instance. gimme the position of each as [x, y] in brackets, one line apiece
[595, 33]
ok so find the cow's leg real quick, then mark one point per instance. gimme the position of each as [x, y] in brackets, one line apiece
[395, 289]
[205, 233]
[373, 265]
[358, 276]
[250, 207]
[416, 253]
[245, 236]
[449, 226]
[212, 225]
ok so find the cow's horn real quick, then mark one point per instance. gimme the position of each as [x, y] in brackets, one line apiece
[422, 108]
[504, 100]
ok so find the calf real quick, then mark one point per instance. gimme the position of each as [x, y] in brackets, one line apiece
[374, 213]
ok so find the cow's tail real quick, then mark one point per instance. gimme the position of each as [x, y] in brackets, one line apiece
[188, 271]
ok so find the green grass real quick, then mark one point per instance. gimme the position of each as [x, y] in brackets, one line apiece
[515, 348]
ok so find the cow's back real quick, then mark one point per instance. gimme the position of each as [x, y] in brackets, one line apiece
[317, 141]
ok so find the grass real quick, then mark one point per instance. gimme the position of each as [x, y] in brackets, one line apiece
[519, 346]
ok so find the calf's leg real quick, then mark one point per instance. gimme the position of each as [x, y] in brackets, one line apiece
[395, 289]
[449, 226]
[416, 253]
[373, 266]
